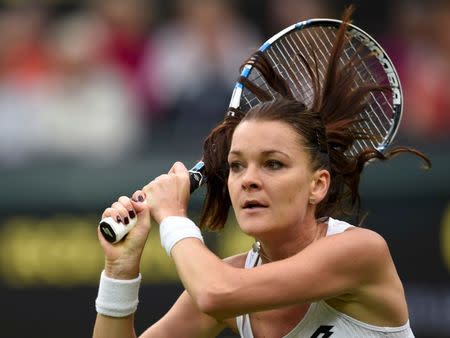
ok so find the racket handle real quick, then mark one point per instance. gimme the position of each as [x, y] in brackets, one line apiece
[114, 231]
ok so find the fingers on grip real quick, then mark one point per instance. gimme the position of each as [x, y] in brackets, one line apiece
[138, 196]
[122, 211]
[111, 212]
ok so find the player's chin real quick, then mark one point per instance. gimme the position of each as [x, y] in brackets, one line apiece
[252, 215]
[254, 223]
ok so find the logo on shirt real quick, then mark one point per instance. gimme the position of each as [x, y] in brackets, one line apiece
[324, 331]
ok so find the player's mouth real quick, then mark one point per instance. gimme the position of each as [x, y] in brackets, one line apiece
[254, 205]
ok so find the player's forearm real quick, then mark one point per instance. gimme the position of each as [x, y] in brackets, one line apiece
[111, 327]
[206, 278]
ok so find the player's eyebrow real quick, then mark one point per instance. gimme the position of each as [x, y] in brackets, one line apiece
[265, 152]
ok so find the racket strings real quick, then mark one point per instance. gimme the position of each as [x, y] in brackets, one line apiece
[310, 82]
[376, 111]
[313, 46]
[326, 54]
[347, 56]
[306, 92]
[358, 56]
[273, 79]
[379, 110]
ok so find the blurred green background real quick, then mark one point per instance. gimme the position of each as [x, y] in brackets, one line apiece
[99, 97]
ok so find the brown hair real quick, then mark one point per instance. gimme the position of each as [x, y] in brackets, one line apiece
[328, 129]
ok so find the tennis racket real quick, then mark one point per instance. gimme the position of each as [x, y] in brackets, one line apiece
[114, 231]
[313, 39]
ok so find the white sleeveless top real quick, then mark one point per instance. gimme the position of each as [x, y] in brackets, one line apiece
[323, 321]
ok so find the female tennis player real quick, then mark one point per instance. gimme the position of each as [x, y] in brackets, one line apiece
[285, 170]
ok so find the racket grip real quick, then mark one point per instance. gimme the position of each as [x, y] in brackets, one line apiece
[114, 231]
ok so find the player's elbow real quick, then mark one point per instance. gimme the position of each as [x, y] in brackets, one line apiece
[207, 302]
[214, 301]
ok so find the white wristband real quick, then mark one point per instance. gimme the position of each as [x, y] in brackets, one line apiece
[173, 229]
[117, 297]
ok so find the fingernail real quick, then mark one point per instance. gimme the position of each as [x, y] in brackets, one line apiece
[118, 220]
[133, 199]
[126, 220]
[131, 213]
[141, 198]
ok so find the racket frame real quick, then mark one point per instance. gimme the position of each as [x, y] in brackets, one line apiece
[352, 32]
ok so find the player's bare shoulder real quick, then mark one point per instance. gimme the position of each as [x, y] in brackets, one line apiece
[368, 237]
[364, 243]
[355, 249]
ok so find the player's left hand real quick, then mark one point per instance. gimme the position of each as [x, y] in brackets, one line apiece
[168, 194]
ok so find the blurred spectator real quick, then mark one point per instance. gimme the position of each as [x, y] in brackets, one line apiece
[89, 111]
[197, 58]
[76, 109]
[420, 47]
[283, 13]
[23, 63]
[128, 27]
[80, 86]
[21, 52]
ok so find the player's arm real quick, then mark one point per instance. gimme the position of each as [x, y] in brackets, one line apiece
[185, 319]
[345, 263]
[111, 327]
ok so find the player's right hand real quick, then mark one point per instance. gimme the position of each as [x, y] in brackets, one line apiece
[122, 259]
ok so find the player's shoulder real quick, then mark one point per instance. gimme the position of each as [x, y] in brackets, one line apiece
[365, 235]
[236, 261]
[362, 241]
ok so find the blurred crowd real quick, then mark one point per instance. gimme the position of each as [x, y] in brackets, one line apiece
[108, 80]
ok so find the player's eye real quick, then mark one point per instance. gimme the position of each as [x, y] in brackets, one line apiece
[273, 164]
[235, 166]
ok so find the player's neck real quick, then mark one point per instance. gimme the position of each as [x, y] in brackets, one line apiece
[274, 249]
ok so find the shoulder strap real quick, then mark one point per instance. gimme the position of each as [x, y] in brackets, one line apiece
[252, 259]
[336, 226]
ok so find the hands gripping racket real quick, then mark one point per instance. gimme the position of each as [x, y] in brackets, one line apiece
[381, 115]
[114, 231]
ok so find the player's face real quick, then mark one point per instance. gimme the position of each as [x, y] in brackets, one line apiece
[270, 177]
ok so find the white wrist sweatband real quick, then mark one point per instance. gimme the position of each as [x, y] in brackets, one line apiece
[117, 297]
[173, 229]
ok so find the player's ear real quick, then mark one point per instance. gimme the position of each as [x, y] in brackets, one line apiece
[320, 184]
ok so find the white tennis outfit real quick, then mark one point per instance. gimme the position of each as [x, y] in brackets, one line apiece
[323, 321]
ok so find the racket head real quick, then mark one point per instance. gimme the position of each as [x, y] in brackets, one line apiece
[383, 111]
